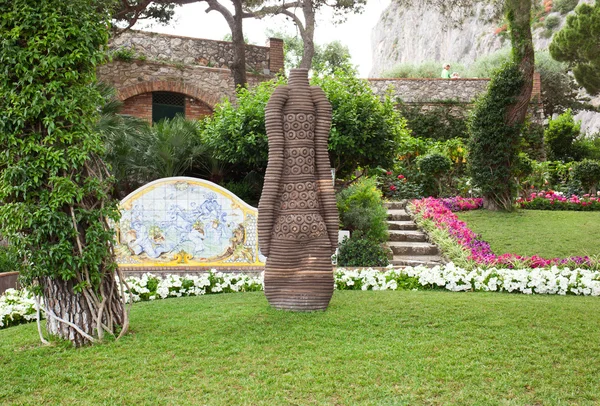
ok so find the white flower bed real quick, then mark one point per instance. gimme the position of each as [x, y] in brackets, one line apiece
[16, 306]
[19, 306]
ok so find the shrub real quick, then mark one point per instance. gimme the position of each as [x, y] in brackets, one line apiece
[357, 251]
[8, 260]
[564, 6]
[494, 144]
[361, 210]
[588, 173]
[551, 22]
[559, 136]
[365, 132]
[434, 166]
[443, 122]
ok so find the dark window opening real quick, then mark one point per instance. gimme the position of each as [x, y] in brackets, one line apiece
[167, 105]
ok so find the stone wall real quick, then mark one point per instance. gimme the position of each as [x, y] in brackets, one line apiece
[430, 90]
[411, 90]
[196, 51]
[135, 81]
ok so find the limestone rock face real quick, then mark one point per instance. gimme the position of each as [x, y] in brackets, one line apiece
[411, 31]
[418, 33]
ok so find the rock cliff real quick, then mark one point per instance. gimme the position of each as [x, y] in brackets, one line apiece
[412, 31]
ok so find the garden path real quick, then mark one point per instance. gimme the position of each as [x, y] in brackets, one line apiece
[410, 246]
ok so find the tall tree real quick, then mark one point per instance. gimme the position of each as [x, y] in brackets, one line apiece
[53, 185]
[578, 43]
[303, 14]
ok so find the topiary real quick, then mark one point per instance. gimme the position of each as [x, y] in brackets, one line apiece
[358, 251]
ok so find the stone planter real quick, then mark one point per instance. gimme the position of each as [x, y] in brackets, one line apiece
[8, 280]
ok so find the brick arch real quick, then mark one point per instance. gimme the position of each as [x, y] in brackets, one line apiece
[168, 86]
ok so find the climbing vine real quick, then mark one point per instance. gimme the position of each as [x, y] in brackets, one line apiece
[53, 185]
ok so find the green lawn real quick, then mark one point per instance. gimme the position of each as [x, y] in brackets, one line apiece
[374, 347]
[548, 234]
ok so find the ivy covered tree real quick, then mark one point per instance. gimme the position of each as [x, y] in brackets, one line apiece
[54, 187]
[578, 44]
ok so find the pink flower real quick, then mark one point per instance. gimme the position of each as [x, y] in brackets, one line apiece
[388, 173]
[392, 187]
[400, 176]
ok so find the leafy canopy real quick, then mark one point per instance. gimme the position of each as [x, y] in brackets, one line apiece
[366, 132]
[577, 43]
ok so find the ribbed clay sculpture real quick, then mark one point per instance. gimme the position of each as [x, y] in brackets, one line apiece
[297, 213]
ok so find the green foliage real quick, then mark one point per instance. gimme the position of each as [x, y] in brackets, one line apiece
[486, 65]
[434, 164]
[551, 22]
[493, 146]
[564, 6]
[328, 58]
[141, 154]
[357, 251]
[53, 185]
[559, 90]
[588, 173]
[441, 122]
[365, 131]
[362, 212]
[577, 43]
[559, 136]
[9, 259]
[236, 133]
[124, 54]
[532, 142]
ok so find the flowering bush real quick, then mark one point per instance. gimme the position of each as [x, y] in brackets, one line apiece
[440, 214]
[551, 200]
[19, 306]
[16, 307]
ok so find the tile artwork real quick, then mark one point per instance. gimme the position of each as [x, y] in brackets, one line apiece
[175, 222]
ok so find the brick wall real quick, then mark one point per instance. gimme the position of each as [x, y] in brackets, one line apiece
[138, 106]
[196, 109]
[275, 55]
[141, 106]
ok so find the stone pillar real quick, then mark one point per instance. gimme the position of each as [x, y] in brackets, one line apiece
[275, 55]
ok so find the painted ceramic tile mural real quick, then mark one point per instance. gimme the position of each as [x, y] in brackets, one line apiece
[186, 221]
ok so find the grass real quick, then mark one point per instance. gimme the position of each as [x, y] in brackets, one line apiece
[549, 234]
[371, 348]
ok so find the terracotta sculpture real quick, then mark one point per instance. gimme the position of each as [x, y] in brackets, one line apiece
[297, 213]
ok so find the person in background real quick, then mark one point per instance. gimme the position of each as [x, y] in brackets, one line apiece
[455, 75]
[446, 72]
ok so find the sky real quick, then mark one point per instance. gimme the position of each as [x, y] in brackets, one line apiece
[192, 21]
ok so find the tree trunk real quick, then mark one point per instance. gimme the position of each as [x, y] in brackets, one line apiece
[308, 34]
[519, 18]
[238, 66]
[81, 309]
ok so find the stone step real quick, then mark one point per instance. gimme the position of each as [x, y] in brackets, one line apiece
[427, 260]
[402, 225]
[398, 215]
[396, 205]
[413, 248]
[407, 235]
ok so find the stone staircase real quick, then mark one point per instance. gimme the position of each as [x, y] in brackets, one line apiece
[409, 245]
